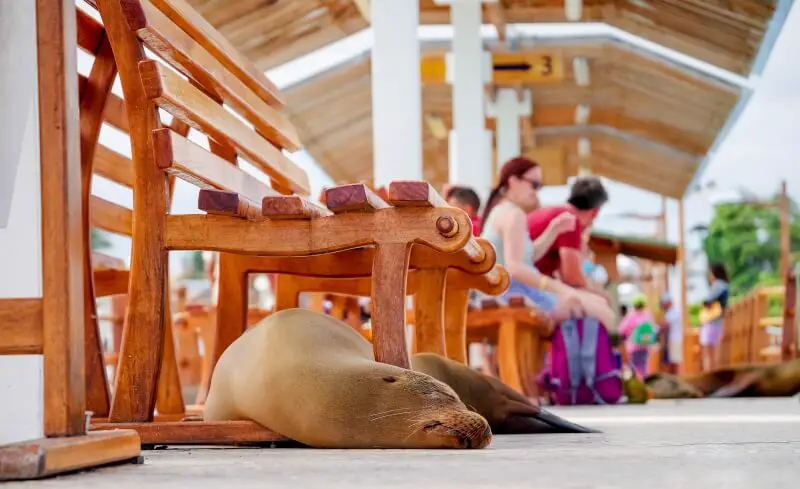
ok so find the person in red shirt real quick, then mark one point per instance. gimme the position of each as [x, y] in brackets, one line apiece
[587, 196]
[467, 200]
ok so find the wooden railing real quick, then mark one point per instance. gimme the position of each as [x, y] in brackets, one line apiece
[750, 334]
[746, 335]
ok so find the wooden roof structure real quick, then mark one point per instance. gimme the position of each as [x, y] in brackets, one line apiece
[725, 33]
[651, 122]
[634, 246]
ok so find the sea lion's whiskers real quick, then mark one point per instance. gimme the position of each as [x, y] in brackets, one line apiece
[376, 418]
[391, 411]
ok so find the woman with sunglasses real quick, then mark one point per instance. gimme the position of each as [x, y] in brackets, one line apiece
[505, 225]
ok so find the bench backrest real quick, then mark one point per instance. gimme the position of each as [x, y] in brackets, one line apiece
[176, 61]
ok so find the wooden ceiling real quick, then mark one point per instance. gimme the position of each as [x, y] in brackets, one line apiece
[650, 123]
[726, 33]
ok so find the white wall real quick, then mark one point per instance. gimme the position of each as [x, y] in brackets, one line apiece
[21, 389]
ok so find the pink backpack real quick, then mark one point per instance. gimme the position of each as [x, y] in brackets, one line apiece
[582, 368]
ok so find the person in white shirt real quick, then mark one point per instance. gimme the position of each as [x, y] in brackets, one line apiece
[673, 353]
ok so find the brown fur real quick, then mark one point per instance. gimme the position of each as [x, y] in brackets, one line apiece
[313, 379]
[773, 380]
[506, 410]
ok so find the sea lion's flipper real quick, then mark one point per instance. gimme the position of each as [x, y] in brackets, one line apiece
[561, 423]
[539, 423]
[739, 384]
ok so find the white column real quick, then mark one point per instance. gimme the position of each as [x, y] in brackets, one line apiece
[507, 109]
[470, 162]
[396, 92]
[21, 382]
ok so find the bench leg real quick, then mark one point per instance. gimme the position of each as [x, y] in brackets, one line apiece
[169, 394]
[389, 274]
[507, 355]
[455, 323]
[142, 340]
[429, 311]
[231, 314]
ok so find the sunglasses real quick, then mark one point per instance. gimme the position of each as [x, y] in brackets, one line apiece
[536, 184]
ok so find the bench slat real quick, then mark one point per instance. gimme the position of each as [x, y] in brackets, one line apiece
[187, 103]
[90, 32]
[353, 197]
[292, 207]
[112, 165]
[414, 194]
[212, 40]
[183, 158]
[111, 217]
[225, 203]
[185, 54]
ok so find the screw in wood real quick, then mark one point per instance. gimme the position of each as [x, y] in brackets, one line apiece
[447, 226]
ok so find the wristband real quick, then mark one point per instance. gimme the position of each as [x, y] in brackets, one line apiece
[543, 279]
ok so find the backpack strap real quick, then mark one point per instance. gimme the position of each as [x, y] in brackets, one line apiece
[588, 357]
[569, 331]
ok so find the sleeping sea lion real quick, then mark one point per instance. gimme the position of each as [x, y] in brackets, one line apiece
[506, 410]
[772, 380]
[312, 378]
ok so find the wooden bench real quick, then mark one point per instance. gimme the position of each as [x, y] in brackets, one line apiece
[520, 330]
[245, 218]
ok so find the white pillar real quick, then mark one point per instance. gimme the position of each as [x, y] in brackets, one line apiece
[21, 381]
[470, 155]
[396, 92]
[507, 109]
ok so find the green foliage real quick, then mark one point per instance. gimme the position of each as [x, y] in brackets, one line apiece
[733, 240]
[98, 240]
[197, 266]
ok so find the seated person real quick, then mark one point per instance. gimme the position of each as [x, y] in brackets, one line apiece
[587, 196]
[467, 200]
[640, 331]
[505, 226]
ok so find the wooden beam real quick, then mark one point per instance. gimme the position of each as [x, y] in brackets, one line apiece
[22, 326]
[497, 14]
[62, 238]
[364, 8]
[687, 351]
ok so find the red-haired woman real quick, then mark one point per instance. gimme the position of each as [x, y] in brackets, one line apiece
[505, 225]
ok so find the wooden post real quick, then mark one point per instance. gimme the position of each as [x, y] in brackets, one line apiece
[687, 351]
[62, 241]
[785, 231]
[663, 235]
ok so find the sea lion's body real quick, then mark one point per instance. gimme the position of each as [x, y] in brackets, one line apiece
[773, 380]
[506, 410]
[310, 377]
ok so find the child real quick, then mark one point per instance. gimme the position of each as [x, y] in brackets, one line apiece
[639, 329]
[467, 200]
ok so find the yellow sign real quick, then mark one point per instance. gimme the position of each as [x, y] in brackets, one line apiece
[509, 68]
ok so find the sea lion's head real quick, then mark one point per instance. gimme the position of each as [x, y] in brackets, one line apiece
[413, 409]
[667, 386]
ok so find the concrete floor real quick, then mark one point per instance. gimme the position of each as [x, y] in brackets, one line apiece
[664, 444]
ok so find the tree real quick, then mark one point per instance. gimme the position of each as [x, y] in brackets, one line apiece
[98, 240]
[746, 239]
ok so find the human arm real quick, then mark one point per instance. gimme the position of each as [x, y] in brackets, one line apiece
[562, 223]
[718, 289]
[512, 227]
